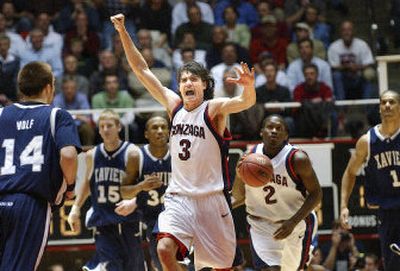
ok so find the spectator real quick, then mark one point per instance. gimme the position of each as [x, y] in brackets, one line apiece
[71, 98]
[114, 97]
[229, 62]
[38, 53]
[86, 65]
[199, 28]
[295, 9]
[51, 40]
[9, 67]
[247, 12]
[180, 13]
[14, 23]
[108, 65]
[71, 71]
[341, 250]
[90, 39]
[156, 15]
[371, 262]
[281, 78]
[295, 69]
[145, 40]
[188, 41]
[65, 21]
[302, 31]
[17, 44]
[320, 30]
[351, 60]
[272, 92]
[219, 38]
[269, 41]
[316, 113]
[237, 33]
[142, 96]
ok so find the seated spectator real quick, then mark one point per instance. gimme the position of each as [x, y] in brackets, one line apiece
[71, 71]
[199, 28]
[179, 13]
[9, 67]
[247, 12]
[15, 23]
[156, 15]
[371, 262]
[188, 41]
[302, 31]
[342, 249]
[114, 97]
[261, 79]
[352, 63]
[269, 41]
[108, 65]
[237, 33]
[142, 96]
[316, 114]
[229, 62]
[17, 44]
[295, 69]
[320, 30]
[90, 39]
[65, 21]
[295, 10]
[272, 92]
[38, 53]
[70, 98]
[86, 65]
[219, 38]
[145, 40]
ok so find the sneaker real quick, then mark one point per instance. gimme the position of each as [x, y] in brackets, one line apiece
[395, 248]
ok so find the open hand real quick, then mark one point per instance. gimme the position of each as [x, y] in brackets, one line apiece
[246, 76]
[285, 229]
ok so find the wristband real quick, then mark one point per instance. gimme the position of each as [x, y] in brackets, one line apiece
[75, 210]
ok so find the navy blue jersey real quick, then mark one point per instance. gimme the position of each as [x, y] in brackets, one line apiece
[151, 202]
[31, 138]
[105, 182]
[382, 173]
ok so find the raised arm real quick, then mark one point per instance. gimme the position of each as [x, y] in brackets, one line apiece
[349, 178]
[163, 95]
[303, 168]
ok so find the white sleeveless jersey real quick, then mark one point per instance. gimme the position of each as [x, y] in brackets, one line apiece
[281, 198]
[198, 153]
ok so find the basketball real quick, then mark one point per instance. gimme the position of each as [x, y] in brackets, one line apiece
[256, 170]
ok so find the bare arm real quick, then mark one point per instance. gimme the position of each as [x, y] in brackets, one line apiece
[238, 191]
[349, 177]
[330, 260]
[163, 95]
[303, 168]
[69, 163]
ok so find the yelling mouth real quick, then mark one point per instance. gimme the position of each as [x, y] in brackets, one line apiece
[189, 93]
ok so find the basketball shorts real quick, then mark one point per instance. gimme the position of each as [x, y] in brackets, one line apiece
[206, 223]
[389, 232]
[291, 253]
[24, 228]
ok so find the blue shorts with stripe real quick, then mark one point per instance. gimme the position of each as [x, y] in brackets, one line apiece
[24, 225]
[389, 232]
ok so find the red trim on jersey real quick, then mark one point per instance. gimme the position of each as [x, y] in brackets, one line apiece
[290, 163]
[226, 135]
[222, 269]
[182, 250]
[306, 249]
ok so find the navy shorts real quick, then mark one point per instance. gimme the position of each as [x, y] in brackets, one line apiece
[24, 228]
[389, 232]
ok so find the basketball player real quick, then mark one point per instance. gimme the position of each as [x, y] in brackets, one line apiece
[108, 167]
[196, 209]
[378, 150]
[280, 213]
[38, 157]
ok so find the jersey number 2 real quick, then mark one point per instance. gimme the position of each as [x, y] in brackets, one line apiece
[31, 155]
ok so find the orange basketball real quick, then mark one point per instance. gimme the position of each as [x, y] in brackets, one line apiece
[256, 170]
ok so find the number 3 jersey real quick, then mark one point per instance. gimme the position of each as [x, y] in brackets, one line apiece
[382, 171]
[105, 182]
[151, 202]
[198, 153]
[31, 137]
[284, 195]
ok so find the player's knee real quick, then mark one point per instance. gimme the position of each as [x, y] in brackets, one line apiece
[166, 249]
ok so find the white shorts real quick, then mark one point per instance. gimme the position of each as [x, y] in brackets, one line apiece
[206, 223]
[292, 253]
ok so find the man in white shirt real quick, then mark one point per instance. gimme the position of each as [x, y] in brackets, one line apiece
[352, 60]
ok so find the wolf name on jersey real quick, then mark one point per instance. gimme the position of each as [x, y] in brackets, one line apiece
[31, 139]
[151, 202]
[382, 170]
[198, 153]
[105, 182]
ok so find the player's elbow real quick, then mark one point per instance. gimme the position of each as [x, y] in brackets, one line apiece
[69, 154]
[318, 195]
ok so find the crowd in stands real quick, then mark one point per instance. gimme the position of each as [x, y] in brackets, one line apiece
[289, 42]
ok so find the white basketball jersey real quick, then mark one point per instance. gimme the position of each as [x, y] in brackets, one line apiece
[198, 154]
[283, 196]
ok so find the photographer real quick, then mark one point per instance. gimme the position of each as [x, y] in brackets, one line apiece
[343, 251]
